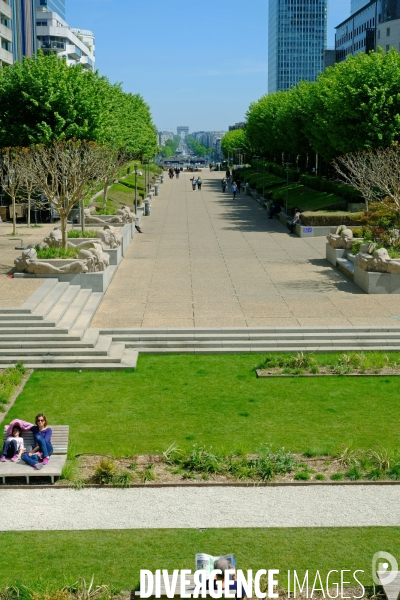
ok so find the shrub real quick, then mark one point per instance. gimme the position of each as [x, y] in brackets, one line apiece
[321, 219]
[337, 477]
[354, 473]
[320, 477]
[104, 471]
[326, 185]
[76, 233]
[51, 253]
[122, 479]
[302, 476]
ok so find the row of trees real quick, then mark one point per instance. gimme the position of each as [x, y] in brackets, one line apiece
[195, 146]
[42, 100]
[171, 146]
[353, 106]
[63, 172]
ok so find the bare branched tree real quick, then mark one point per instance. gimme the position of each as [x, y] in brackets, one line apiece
[375, 174]
[113, 162]
[66, 172]
[12, 175]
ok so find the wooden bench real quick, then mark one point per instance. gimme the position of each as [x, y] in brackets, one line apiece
[59, 441]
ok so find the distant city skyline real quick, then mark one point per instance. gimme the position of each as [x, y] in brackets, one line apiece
[206, 86]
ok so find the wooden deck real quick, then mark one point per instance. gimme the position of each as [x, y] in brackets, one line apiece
[53, 469]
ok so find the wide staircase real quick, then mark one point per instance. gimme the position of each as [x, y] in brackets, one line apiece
[51, 331]
[279, 339]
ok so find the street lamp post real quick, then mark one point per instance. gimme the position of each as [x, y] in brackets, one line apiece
[287, 165]
[148, 176]
[136, 167]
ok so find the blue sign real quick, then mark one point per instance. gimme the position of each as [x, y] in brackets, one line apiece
[307, 229]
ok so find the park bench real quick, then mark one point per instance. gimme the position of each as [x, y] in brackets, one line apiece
[59, 441]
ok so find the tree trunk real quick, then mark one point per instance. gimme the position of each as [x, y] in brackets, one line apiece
[82, 215]
[64, 231]
[14, 217]
[29, 210]
[105, 194]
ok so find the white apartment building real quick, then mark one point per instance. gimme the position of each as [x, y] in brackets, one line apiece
[164, 136]
[6, 35]
[55, 35]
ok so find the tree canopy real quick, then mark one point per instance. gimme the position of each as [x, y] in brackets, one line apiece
[353, 106]
[43, 100]
[234, 141]
[195, 146]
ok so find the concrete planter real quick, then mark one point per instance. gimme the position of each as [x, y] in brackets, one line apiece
[97, 282]
[332, 254]
[377, 283]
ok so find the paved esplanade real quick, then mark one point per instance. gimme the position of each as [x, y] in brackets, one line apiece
[151, 508]
[206, 260]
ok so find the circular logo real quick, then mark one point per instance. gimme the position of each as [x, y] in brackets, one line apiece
[386, 565]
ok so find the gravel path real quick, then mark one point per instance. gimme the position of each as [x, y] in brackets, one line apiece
[152, 508]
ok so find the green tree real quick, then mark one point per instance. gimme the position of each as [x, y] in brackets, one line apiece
[195, 146]
[232, 141]
[355, 106]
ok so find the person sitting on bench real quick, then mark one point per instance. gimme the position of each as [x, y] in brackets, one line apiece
[40, 455]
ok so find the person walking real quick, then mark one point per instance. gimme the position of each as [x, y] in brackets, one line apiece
[224, 183]
[238, 183]
[234, 189]
[199, 182]
[228, 174]
[295, 220]
[194, 182]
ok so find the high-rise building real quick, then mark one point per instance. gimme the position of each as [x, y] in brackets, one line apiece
[57, 6]
[54, 35]
[297, 39]
[366, 29]
[357, 4]
[6, 34]
[24, 28]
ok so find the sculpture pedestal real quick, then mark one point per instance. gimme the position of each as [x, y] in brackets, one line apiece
[377, 283]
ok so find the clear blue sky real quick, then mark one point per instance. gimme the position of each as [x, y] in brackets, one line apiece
[195, 63]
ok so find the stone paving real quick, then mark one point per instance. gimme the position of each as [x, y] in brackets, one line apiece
[14, 292]
[206, 260]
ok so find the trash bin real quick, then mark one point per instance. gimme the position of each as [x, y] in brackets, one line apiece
[147, 209]
[156, 190]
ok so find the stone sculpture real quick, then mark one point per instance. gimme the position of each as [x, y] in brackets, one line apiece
[109, 238]
[91, 260]
[379, 261]
[124, 215]
[342, 239]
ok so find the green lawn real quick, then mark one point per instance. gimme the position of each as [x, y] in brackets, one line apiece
[116, 557]
[212, 400]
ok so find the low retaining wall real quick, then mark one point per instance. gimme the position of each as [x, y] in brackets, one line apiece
[97, 282]
[332, 254]
[377, 283]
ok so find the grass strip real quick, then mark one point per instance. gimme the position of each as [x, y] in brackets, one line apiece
[216, 401]
[116, 557]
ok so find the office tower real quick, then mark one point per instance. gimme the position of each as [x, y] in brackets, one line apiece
[56, 6]
[357, 4]
[24, 28]
[297, 40]
[6, 34]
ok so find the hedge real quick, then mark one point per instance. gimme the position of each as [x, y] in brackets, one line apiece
[324, 219]
[325, 185]
[278, 170]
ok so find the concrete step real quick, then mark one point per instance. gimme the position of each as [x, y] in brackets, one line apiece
[38, 337]
[346, 267]
[26, 324]
[73, 311]
[86, 315]
[34, 300]
[64, 366]
[261, 350]
[44, 329]
[150, 339]
[52, 299]
[114, 357]
[59, 309]
[89, 340]
[195, 331]
[129, 358]
[269, 345]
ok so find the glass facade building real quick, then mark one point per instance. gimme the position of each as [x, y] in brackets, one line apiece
[297, 39]
[57, 6]
[24, 28]
[357, 4]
